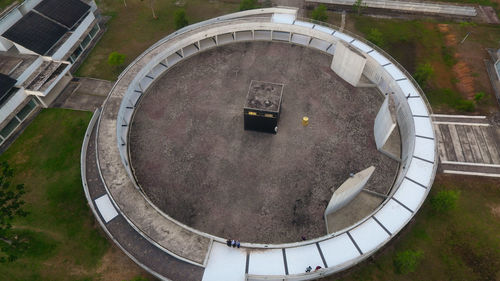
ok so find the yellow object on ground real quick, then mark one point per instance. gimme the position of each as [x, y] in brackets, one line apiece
[305, 121]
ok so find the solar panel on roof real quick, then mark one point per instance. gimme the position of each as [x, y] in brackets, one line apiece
[6, 83]
[35, 33]
[65, 12]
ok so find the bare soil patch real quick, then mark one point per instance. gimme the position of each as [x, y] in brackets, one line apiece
[465, 82]
[115, 265]
[495, 210]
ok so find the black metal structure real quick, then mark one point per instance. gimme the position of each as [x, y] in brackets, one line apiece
[263, 106]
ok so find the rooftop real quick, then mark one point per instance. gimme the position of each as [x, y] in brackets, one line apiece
[66, 12]
[6, 83]
[35, 33]
[42, 77]
[15, 64]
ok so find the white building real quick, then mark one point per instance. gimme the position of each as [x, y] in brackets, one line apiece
[39, 42]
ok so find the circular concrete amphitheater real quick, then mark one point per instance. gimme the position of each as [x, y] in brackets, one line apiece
[170, 173]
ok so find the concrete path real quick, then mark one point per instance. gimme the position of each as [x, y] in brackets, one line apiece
[408, 6]
[488, 14]
[495, 82]
[468, 145]
[84, 94]
[121, 232]
[293, 3]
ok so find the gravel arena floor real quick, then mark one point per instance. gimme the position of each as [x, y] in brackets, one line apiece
[193, 159]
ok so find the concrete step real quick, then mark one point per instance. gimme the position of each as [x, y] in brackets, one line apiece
[473, 169]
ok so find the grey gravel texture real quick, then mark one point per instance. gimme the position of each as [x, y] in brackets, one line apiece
[193, 159]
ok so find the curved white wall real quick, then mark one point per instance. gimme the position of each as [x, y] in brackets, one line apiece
[343, 248]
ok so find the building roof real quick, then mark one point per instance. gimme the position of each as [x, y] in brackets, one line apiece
[65, 12]
[15, 64]
[35, 33]
[6, 83]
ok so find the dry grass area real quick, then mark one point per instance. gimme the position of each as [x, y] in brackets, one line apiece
[132, 29]
[115, 265]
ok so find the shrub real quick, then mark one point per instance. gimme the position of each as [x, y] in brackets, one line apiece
[479, 96]
[248, 5]
[376, 37]
[319, 13]
[423, 72]
[445, 200]
[116, 59]
[466, 105]
[448, 57]
[407, 261]
[180, 19]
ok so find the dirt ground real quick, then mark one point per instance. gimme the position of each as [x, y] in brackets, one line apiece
[115, 265]
[469, 71]
[195, 161]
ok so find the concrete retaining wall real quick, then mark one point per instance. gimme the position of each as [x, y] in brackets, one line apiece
[370, 233]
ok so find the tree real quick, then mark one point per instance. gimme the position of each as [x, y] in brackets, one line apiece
[116, 59]
[319, 13]
[358, 5]
[180, 19]
[248, 5]
[11, 207]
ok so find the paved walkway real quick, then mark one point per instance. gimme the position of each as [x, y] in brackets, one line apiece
[468, 145]
[84, 94]
[130, 240]
[408, 6]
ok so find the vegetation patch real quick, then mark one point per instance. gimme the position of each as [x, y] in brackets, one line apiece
[133, 28]
[445, 200]
[407, 261]
[59, 235]
[248, 5]
[181, 19]
[5, 3]
[319, 13]
[400, 38]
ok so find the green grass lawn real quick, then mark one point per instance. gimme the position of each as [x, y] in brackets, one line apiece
[132, 29]
[64, 241]
[5, 3]
[462, 244]
[416, 42]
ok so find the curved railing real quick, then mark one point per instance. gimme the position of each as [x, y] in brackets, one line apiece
[380, 50]
[148, 68]
[259, 22]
